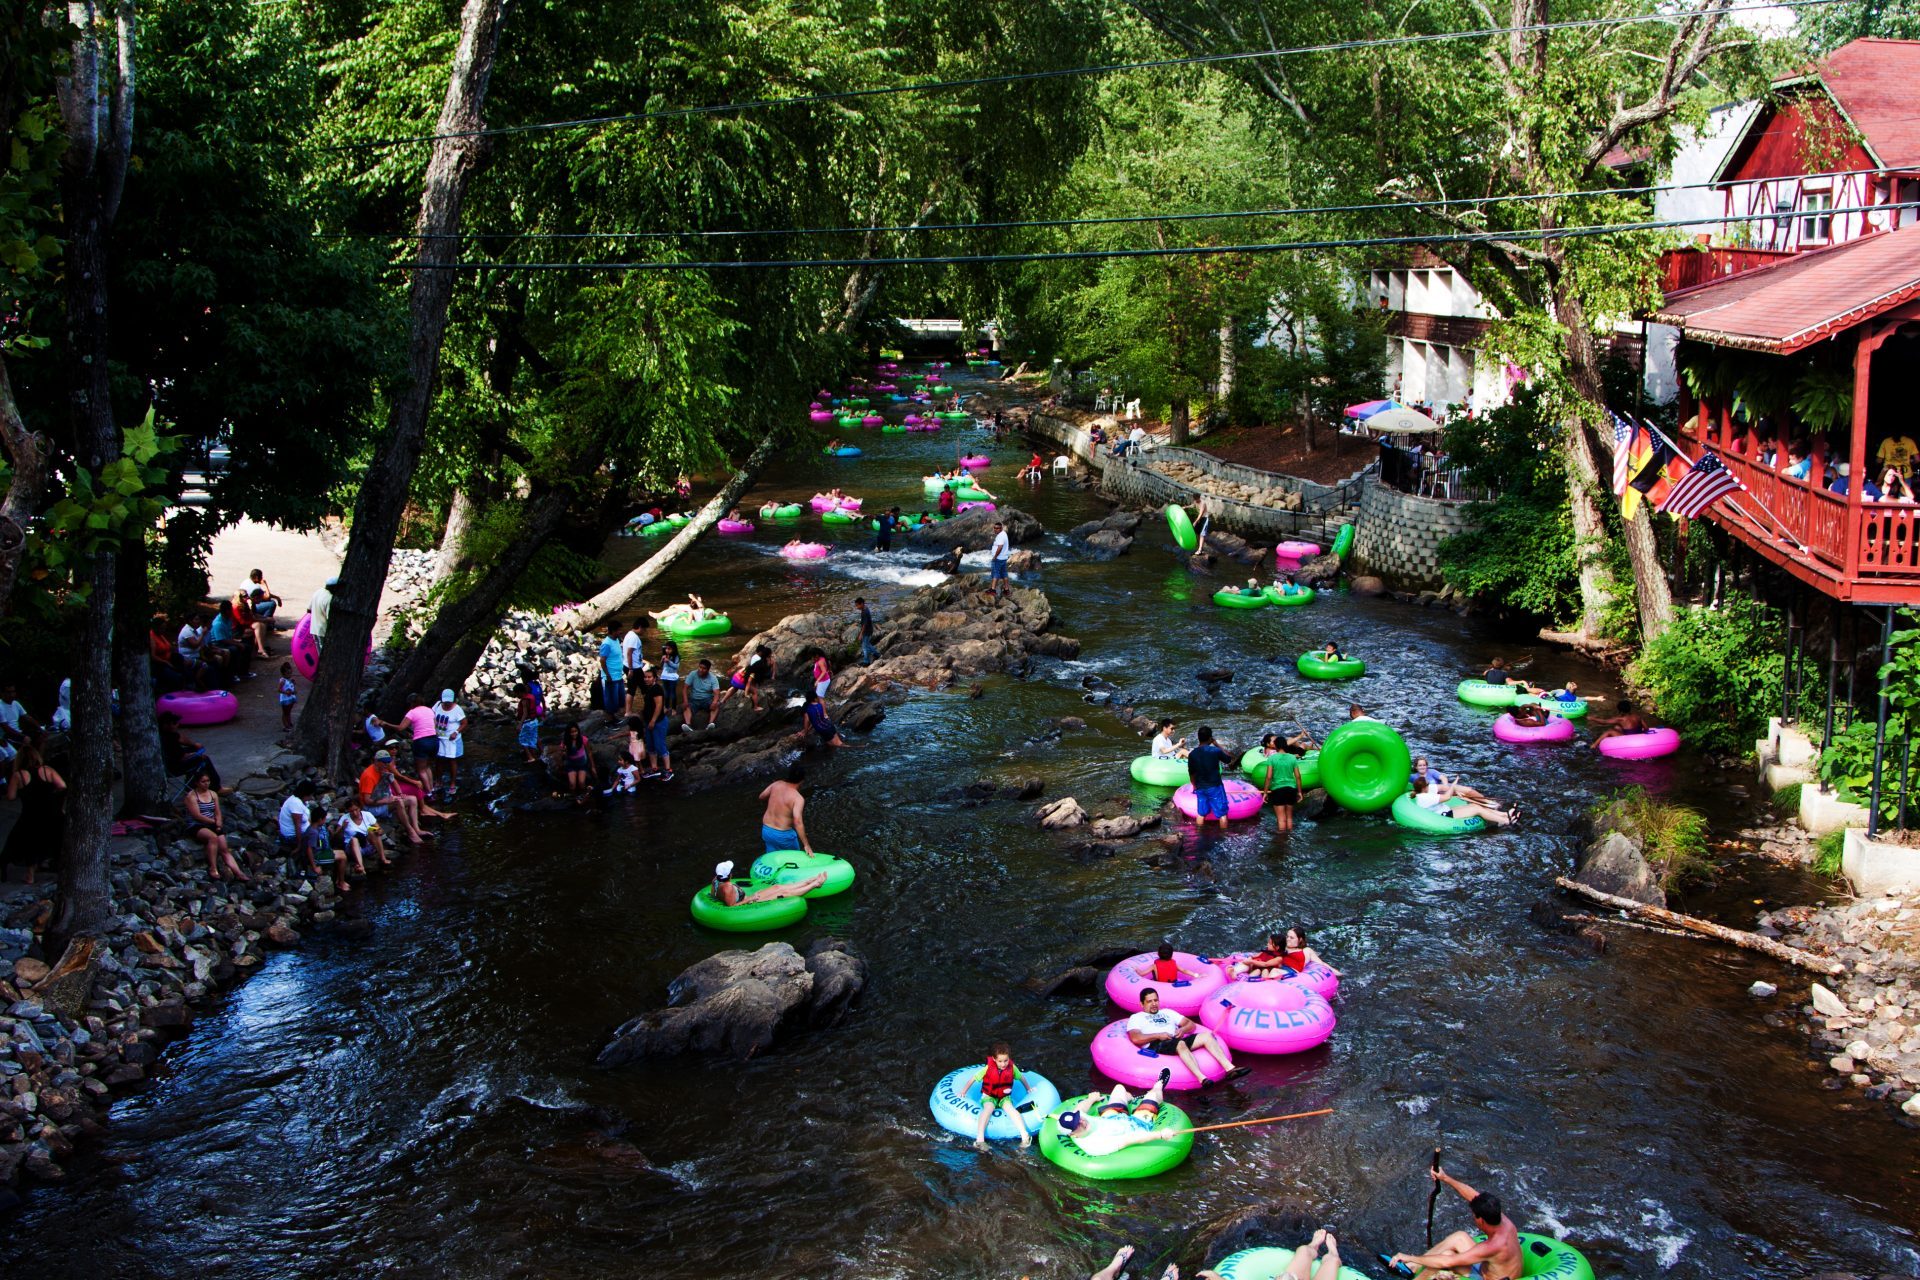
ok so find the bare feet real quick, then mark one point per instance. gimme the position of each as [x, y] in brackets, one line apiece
[1112, 1269]
[979, 1144]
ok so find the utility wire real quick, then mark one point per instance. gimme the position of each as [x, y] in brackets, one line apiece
[1412, 204]
[1026, 77]
[1168, 251]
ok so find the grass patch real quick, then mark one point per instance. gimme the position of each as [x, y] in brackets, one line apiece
[1826, 853]
[1786, 801]
[1673, 838]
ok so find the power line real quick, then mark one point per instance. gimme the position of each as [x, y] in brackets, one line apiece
[1168, 251]
[1112, 220]
[1027, 77]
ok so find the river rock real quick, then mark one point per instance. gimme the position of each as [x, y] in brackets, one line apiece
[1827, 1004]
[1763, 990]
[1109, 537]
[1233, 547]
[1613, 864]
[1367, 585]
[1024, 560]
[1114, 828]
[1107, 545]
[974, 529]
[739, 1003]
[1064, 812]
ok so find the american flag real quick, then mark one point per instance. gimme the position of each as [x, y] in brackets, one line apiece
[1622, 451]
[1706, 482]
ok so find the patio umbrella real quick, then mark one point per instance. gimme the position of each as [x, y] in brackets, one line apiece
[1367, 410]
[1399, 421]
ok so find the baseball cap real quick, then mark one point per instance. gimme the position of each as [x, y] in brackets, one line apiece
[383, 755]
[722, 870]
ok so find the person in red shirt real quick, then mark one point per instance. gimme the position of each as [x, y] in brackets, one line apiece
[1164, 968]
[381, 798]
[996, 1081]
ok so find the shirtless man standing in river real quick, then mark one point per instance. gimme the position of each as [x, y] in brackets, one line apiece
[781, 826]
[1495, 1258]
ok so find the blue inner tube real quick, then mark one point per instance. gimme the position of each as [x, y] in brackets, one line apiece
[1032, 1099]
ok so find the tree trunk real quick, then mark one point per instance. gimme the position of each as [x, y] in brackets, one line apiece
[1177, 417]
[594, 611]
[1651, 591]
[145, 782]
[1229, 360]
[452, 558]
[329, 718]
[96, 106]
[464, 625]
[29, 452]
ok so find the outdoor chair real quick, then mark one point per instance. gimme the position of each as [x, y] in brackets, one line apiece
[1062, 463]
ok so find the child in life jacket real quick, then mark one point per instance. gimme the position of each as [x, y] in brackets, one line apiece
[996, 1081]
[1164, 968]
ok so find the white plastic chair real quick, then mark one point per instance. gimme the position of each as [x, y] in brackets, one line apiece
[1061, 462]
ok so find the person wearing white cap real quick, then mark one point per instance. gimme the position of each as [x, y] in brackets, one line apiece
[727, 893]
[1118, 1122]
[448, 722]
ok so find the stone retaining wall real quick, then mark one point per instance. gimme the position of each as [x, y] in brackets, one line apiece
[1399, 536]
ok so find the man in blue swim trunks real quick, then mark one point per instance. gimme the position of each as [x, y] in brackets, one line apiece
[1491, 1251]
[781, 826]
[1203, 767]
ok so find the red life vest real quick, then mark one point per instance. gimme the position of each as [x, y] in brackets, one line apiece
[1166, 970]
[1295, 960]
[998, 1082]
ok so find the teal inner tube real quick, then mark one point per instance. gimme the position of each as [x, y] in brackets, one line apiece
[718, 625]
[789, 512]
[1159, 773]
[749, 917]
[1479, 693]
[1267, 1263]
[1343, 541]
[1234, 598]
[1141, 1161]
[1364, 764]
[1180, 525]
[1575, 710]
[1304, 595]
[1316, 666]
[1273, 771]
[1433, 822]
[789, 866]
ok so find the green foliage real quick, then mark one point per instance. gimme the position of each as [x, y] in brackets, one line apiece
[1520, 548]
[98, 510]
[1827, 852]
[1673, 837]
[1715, 674]
[1846, 762]
[1786, 801]
[1828, 26]
[1316, 351]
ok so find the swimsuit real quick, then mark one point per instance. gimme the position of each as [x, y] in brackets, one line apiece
[774, 840]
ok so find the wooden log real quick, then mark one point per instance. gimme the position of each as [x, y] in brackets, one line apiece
[1693, 924]
[1582, 917]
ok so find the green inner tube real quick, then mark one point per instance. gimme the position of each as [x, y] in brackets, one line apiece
[679, 519]
[847, 420]
[1317, 667]
[894, 429]
[952, 415]
[839, 516]
[1272, 771]
[1267, 1263]
[1276, 596]
[1364, 764]
[788, 866]
[1234, 598]
[1159, 773]
[1343, 541]
[1408, 813]
[751, 917]
[1141, 1161]
[674, 625]
[856, 402]
[1575, 710]
[1481, 694]
[657, 528]
[789, 512]
[1551, 1259]
[1180, 525]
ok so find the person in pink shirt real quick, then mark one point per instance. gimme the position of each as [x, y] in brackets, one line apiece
[419, 726]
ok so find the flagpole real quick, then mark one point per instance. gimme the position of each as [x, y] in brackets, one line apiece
[1786, 533]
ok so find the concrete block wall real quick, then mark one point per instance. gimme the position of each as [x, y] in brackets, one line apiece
[1399, 536]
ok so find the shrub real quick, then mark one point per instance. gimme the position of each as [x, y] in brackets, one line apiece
[1673, 837]
[1787, 799]
[1826, 853]
[1715, 674]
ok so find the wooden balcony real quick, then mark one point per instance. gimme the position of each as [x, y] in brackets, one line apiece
[1684, 268]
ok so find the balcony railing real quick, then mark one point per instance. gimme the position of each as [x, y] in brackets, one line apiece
[1684, 268]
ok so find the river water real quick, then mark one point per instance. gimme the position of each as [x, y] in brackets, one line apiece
[421, 1098]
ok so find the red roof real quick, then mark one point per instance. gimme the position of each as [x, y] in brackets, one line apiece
[1873, 81]
[1803, 299]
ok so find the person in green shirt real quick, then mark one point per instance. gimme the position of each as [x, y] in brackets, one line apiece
[698, 690]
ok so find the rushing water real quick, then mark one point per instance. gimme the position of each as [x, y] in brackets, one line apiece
[422, 1098]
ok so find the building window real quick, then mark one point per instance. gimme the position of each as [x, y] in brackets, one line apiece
[1816, 219]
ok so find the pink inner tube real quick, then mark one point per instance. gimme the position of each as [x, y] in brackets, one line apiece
[1118, 1058]
[872, 420]
[1556, 729]
[975, 460]
[820, 502]
[1316, 977]
[1640, 746]
[1243, 800]
[924, 425]
[885, 386]
[804, 551]
[1125, 982]
[1296, 551]
[969, 506]
[821, 415]
[214, 707]
[736, 526]
[1262, 1016]
[911, 419]
[306, 654]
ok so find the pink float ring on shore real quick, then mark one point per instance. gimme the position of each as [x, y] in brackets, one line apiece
[1125, 982]
[805, 551]
[1268, 1017]
[1316, 977]
[1639, 746]
[216, 706]
[1119, 1058]
[1243, 800]
[306, 654]
[1296, 551]
[1556, 729]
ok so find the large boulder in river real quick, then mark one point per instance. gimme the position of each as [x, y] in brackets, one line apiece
[974, 529]
[1614, 864]
[739, 1003]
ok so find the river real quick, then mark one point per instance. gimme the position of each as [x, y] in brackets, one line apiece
[421, 1098]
